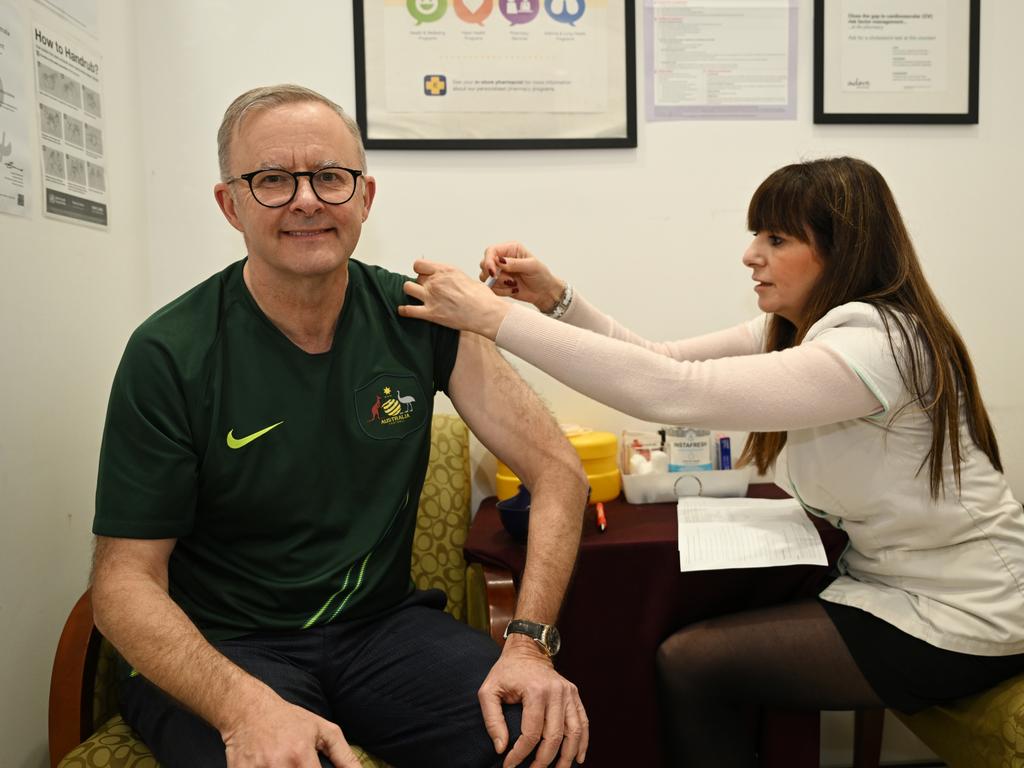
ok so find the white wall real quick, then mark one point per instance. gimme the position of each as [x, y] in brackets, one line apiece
[654, 235]
[69, 295]
[666, 219]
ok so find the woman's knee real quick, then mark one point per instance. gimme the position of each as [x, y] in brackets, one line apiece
[682, 661]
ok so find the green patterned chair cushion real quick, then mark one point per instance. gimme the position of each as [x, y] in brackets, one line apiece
[114, 745]
[104, 690]
[983, 731]
[442, 523]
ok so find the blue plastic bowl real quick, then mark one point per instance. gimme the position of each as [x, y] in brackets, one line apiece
[515, 514]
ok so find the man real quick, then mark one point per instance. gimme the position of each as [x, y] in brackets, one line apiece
[264, 451]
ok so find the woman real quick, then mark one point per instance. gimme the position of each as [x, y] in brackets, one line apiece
[856, 369]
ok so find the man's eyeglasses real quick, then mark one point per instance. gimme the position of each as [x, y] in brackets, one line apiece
[274, 188]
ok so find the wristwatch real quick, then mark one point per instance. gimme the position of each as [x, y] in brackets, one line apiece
[562, 306]
[545, 635]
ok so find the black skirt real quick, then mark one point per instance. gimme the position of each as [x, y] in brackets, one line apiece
[909, 674]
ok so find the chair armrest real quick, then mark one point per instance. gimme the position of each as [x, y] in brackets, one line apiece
[491, 599]
[74, 664]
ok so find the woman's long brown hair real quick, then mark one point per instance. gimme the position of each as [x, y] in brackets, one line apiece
[843, 208]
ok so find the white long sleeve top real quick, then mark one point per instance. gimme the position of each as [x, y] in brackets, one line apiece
[949, 571]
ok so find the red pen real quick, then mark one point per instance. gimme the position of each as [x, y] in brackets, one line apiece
[602, 521]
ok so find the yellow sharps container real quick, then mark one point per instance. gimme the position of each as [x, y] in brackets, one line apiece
[598, 452]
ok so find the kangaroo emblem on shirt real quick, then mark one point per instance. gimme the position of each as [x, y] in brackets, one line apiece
[375, 410]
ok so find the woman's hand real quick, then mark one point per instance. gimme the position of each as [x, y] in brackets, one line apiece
[521, 276]
[454, 299]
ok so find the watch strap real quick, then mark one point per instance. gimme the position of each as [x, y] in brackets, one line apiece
[545, 635]
[563, 303]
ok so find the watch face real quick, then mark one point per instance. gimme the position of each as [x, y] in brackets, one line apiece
[554, 640]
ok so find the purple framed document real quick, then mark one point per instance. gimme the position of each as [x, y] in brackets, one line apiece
[720, 60]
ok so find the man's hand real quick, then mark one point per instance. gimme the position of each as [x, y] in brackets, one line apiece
[553, 714]
[273, 733]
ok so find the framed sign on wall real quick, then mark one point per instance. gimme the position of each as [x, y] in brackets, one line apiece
[495, 74]
[896, 61]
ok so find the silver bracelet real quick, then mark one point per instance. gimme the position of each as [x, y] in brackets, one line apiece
[563, 304]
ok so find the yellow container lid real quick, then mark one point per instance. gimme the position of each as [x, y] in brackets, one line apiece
[593, 445]
[589, 445]
[590, 466]
[604, 486]
[599, 453]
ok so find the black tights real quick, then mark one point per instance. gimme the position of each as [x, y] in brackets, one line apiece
[714, 673]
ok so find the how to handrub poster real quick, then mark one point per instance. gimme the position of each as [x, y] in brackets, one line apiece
[72, 144]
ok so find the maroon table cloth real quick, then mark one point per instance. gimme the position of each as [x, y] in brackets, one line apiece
[627, 595]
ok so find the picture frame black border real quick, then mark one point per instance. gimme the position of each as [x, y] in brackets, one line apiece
[627, 141]
[970, 117]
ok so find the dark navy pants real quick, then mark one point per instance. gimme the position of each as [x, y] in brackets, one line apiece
[403, 687]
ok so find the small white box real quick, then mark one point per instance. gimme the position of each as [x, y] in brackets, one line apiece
[669, 486]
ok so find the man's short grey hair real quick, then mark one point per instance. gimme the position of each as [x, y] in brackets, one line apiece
[268, 97]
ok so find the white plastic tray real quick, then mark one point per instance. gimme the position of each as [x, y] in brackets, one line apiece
[669, 486]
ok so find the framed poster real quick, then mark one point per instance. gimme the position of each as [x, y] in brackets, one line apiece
[896, 61]
[495, 74]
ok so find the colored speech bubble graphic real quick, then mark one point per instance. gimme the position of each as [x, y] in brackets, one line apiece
[464, 12]
[426, 11]
[519, 11]
[566, 15]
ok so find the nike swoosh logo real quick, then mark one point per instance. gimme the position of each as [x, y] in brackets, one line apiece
[241, 442]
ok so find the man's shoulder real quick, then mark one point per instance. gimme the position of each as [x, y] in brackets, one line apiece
[385, 289]
[381, 293]
[378, 279]
[191, 308]
[190, 323]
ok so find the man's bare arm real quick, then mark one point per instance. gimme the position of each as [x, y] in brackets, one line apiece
[132, 609]
[510, 421]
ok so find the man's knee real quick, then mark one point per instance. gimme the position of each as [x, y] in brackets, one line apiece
[514, 718]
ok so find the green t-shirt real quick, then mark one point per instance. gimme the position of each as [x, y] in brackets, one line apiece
[290, 480]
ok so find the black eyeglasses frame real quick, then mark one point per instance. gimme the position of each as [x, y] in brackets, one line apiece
[296, 175]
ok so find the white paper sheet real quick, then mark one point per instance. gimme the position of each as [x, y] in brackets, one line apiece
[16, 189]
[721, 59]
[83, 14]
[526, 61]
[895, 49]
[745, 533]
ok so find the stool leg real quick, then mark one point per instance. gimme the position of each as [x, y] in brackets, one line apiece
[790, 739]
[867, 737]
